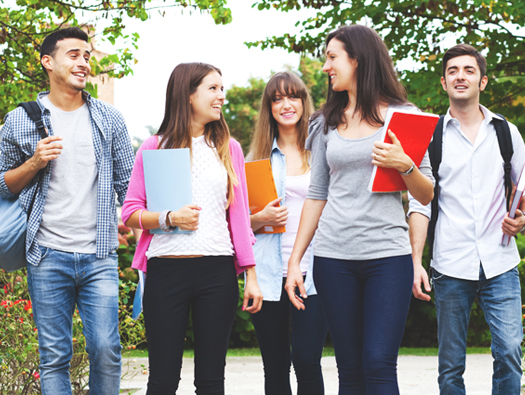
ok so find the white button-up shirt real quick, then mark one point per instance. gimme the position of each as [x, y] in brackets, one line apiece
[472, 202]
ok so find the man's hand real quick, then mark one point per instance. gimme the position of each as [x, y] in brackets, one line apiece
[420, 276]
[510, 226]
[46, 150]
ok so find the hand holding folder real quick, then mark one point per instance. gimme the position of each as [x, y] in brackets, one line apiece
[167, 177]
[414, 131]
[261, 190]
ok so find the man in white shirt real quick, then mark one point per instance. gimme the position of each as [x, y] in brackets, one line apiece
[469, 260]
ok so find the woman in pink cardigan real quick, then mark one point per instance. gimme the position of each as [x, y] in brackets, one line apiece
[196, 270]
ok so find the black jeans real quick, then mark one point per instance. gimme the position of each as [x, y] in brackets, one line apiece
[207, 285]
[309, 329]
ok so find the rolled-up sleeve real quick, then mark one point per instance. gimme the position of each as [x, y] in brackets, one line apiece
[10, 155]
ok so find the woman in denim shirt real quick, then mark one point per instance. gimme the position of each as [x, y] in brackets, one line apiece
[280, 134]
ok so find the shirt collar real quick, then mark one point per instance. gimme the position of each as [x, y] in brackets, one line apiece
[275, 146]
[487, 114]
[41, 95]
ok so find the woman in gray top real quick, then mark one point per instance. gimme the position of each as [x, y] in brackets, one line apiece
[363, 268]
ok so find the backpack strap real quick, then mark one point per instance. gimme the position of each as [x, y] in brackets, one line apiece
[505, 147]
[435, 152]
[34, 112]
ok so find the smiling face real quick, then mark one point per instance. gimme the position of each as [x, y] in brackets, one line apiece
[340, 67]
[287, 110]
[207, 100]
[463, 81]
[68, 67]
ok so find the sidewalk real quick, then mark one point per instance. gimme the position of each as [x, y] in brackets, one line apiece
[244, 376]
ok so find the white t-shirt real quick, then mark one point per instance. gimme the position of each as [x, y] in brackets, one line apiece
[296, 188]
[69, 222]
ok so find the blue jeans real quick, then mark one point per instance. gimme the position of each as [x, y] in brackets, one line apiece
[272, 327]
[366, 305]
[61, 281]
[500, 299]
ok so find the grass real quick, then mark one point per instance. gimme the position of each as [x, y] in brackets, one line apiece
[327, 352]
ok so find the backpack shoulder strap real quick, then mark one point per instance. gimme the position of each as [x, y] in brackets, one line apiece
[34, 112]
[435, 152]
[506, 150]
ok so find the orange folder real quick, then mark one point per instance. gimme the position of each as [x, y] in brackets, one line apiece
[261, 190]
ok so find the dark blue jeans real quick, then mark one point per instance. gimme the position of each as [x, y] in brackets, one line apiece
[272, 327]
[366, 305]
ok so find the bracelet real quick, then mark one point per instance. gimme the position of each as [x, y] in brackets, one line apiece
[406, 173]
[140, 219]
[162, 222]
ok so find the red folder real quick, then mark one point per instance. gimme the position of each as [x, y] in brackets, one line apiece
[414, 131]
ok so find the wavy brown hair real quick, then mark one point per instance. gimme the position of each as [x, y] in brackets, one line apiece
[288, 84]
[176, 128]
[377, 80]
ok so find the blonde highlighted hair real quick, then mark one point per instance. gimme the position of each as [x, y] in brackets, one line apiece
[176, 128]
[288, 84]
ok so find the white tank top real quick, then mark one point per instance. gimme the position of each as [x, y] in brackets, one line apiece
[209, 187]
[296, 188]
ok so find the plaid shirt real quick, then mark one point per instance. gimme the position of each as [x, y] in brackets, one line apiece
[114, 155]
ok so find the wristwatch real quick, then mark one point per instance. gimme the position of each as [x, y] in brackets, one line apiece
[409, 171]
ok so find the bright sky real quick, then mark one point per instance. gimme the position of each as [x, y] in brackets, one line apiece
[170, 40]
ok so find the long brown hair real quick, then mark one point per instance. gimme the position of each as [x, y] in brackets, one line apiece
[176, 127]
[376, 78]
[288, 84]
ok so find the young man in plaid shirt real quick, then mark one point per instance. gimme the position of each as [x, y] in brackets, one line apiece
[72, 231]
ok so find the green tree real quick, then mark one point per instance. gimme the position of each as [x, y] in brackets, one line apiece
[241, 109]
[415, 30]
[315, 80]
[25, 23]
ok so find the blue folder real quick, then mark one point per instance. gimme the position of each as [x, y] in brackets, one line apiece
[167, 176]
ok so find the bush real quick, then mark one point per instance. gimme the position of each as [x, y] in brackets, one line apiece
[19, 336]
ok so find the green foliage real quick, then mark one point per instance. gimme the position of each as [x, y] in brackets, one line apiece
[415, 30]
[241, 109]
[25, 23]
[19, 337]
[19, 340]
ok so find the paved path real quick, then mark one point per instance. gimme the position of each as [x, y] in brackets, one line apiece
[244, 376]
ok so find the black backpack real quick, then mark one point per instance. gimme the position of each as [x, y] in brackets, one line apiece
[435, 152]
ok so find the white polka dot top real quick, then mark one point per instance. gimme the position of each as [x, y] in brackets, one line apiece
[209, 185]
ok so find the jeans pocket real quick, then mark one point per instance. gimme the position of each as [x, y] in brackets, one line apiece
[44, 252]
[436, 275]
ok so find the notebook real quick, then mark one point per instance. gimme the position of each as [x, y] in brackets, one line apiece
[414, 131]
[167, 177]
[520, 188]
[261, 190]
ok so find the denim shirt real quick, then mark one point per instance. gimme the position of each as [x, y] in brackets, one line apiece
[268, 248]
[114, 156]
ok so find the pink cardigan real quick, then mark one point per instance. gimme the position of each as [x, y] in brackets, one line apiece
[237, 214]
